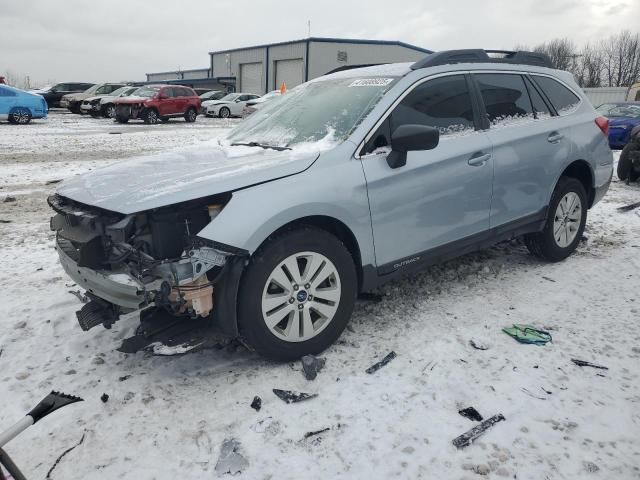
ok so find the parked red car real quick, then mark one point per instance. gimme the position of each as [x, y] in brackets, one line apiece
[154, 103]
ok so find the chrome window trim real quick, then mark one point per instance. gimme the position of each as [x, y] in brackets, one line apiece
[420, 81]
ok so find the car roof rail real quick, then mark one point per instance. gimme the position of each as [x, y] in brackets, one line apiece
[478, 55]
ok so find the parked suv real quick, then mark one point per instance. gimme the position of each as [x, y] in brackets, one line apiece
[155, 103]
[345, 183]
[53, 93]
[73, 101]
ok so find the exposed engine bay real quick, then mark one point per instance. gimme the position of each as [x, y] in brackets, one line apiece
[151, 258]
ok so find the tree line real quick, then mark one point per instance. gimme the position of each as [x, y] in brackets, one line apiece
[610, 62]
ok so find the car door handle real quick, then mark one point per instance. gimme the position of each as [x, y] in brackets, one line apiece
[479, 159]
[554, 137]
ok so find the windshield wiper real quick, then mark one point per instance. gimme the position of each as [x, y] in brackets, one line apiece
[261, 145]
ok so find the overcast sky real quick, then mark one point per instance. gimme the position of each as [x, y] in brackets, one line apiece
[80, 40]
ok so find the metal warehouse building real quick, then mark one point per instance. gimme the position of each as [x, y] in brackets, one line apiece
[263, 68]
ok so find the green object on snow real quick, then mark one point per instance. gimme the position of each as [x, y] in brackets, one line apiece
[528, 334]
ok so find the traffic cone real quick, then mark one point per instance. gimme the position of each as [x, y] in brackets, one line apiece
[283, 88]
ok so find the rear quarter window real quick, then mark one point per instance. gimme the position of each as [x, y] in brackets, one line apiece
[563, 99]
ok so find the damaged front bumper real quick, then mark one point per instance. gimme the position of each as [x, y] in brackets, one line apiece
[141, 261]
[118, 288]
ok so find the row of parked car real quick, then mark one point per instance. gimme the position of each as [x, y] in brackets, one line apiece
[150, 103]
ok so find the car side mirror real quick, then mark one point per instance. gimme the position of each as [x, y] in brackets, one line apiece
[410, 138]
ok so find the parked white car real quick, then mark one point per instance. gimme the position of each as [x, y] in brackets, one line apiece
[229, 106]
[102, 105]
[73, 101]
[256, 104]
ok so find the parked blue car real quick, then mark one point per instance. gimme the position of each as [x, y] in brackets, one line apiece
[623, 117]
[20, 107]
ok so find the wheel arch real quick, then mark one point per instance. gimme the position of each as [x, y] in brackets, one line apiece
[582, 171]
[333, 226]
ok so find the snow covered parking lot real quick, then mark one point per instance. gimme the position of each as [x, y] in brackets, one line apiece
[167, 417]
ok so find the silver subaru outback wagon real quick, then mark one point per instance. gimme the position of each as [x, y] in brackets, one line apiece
[342, 184]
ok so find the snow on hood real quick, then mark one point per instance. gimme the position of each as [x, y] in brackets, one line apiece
[153, 181]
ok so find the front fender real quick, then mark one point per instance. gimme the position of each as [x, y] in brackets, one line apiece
[330, 189]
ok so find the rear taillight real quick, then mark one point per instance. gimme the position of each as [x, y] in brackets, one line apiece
[603, 124]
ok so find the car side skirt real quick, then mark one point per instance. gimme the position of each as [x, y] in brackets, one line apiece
[373, 277]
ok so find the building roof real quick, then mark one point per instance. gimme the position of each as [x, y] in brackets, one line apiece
[179, 71]
[328, 40]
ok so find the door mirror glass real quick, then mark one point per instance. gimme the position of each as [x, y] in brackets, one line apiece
[410, 138]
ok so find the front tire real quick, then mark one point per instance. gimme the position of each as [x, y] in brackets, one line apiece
[565, 222]
[110, 111]
[20, 116]
[297, 294]
[625, 163]
[224, 112]
[122, 119]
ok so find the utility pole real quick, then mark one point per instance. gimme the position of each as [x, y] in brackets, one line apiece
[309, 28]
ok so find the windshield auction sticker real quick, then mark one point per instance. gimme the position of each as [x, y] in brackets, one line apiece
[371, 82]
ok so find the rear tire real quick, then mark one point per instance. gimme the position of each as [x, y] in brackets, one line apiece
[625, 164]
[151, 117]
[190, 115]
[122, 119]
[565, 222]
[314, 308]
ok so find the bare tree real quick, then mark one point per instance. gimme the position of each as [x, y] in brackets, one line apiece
[562, 53]
[589, 67]
[621, 63]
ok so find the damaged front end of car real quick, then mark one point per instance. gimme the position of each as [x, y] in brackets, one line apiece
[151, 261]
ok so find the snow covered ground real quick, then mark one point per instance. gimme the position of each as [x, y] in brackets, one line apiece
[167, 417]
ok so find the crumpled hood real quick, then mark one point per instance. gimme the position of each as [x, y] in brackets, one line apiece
[153, 181]
[75, 96]
[132, 99]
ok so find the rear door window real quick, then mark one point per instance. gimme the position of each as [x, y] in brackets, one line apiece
[443, 103]
[562, 99]
[505, 96]
[540, 107]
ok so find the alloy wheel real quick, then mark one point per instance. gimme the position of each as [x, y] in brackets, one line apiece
[20, 116]
[567, 219]
[301, 296]
[111, 111]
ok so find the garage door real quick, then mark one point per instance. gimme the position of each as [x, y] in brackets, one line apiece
[289, 71]
[251, 78]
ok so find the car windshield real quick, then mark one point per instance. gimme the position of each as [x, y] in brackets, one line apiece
[312, 111]
[130, 91]
[147, 92]
[625, 111]
[207, 95]
[230, 98]
[117, 92]
[92, 88]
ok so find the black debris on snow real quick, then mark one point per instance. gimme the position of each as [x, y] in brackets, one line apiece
[377, 366]
[289, 396]
[104, 398]
[257, 403]
[582, 363]
[311, 366]
[467, 438]
[317, 432]
[471, 413]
